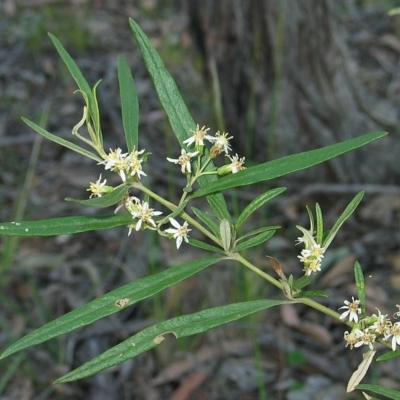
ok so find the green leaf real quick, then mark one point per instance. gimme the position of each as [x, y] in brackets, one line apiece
[182, 326]
[205, 246]
[80, 81]
[346, 214]
[311, 293]
[225, 234]
[111, 303]
[178, 114]
[255, 241]
[384, 391]
[257, 203]
[62, 142]
[207, 220]
[320, 223]
[389, 355]
[302, 282]
[257, 231]
[360, 284]
[178, 210]
[64, 225]
[106, 200]
[129, 104]
[286, 165]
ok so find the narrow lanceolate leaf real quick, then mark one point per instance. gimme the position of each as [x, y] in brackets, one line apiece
[255, 241]
[311, 293]
[360, 284]
[62, 142]
[346, 214]
[389, 355]
[384, 391]
[205, 246]
[104, 201]
[286, 165]
[129, 104]
[302, 282]
[178, 210]
[64, 225]
[207, 220]
[79, 79]
[257, 203]
[320, 223]
[178, 114]
[179, 327]
[258, 231]
[111, 303]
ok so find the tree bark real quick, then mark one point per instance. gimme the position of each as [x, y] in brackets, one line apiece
[286, 80]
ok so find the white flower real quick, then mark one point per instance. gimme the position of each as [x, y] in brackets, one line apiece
[395, 332]
[135, 163]
[145, 214]
[351, 339]
[364, 337]
[98, 188]
[236, 164]
[123, 163]
[184, 160]
[317, 252]
[180, 233]
[382, 325]
[198, 137]
[221, 144]
[352, 310]
[116, 161]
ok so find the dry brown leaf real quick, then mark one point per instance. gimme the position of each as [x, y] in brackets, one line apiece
[360, 372]
[367, 396]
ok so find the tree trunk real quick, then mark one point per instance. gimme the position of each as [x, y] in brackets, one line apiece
[286, 80]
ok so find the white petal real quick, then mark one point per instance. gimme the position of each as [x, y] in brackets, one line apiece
[138, 225]
[178, 242]
[174, 222]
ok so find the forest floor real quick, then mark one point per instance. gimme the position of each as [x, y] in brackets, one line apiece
[291, 352]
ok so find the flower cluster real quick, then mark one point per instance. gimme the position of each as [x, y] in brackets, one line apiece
[129, 167]
[312, 254]
[143, 216]
[220, 144]
[124, 164]
[366, 331]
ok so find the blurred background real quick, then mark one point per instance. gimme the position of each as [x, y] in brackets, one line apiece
[282, 77]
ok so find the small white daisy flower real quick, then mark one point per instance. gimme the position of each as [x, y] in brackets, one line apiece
[221, 144]
[198, 137]
[365, 337]
[99, 188]
[351, 339]
[352, 310]
[144, 214]
[180, 232]
[184, 160]
[395, 332]
[135, 163]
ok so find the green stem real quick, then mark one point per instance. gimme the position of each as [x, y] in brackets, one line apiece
[317, 306]
[258, 271]
[199, 173]
[173, 207]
